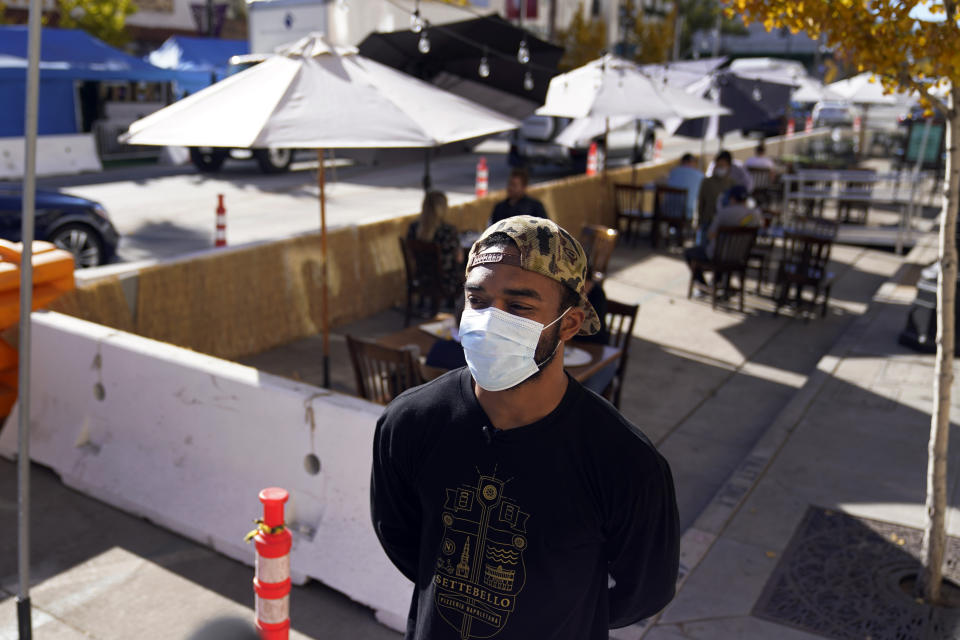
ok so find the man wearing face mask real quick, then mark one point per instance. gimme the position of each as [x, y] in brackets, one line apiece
[520, 504]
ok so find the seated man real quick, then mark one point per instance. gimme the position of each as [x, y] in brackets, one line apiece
[687, 176]
[734, 213]
[717, 183]
[760, 159]
[518, 203]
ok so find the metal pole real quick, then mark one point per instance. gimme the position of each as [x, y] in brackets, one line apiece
[26, 305]
[325, 313]
[427, 182]
[209, 11]
[906, 221]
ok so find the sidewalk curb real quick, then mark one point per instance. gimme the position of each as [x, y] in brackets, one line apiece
[697, 540]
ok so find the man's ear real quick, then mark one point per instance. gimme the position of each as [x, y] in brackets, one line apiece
[571, 323]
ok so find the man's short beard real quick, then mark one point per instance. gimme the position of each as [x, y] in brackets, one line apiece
[547, 349]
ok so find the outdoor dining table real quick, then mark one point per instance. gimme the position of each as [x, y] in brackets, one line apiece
[420, 341]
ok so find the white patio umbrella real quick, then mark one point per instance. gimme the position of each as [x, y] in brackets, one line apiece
[609, 87]
[864, 89]
[315, 95]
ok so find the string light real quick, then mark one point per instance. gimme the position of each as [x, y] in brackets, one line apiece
[423, 45]
[484, 69]
[528, 81]
[523, 52]
[416, 21]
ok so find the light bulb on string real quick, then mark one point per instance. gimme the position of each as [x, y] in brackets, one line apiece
[484, 69]
[528, 81]
[756, 94]
[416, 22]
[523, 52]
[423, 45]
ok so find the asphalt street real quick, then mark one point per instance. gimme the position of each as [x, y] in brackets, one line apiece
[166, 211]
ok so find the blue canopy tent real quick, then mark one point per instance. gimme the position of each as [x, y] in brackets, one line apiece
[67, 57]
[199, 62]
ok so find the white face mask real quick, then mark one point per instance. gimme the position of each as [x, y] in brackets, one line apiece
[500, 348]
[721, 172]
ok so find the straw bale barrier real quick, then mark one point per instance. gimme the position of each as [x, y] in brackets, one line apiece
[102, 302]
[240, 301]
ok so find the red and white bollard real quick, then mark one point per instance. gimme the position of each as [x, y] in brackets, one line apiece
[272, 582]
[592, 160]
[856, 124]
[483, 177]
[791, 128]
[658, 150]
[221, 237]
[808, 125]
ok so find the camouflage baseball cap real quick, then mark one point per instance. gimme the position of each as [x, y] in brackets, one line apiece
[545, 248]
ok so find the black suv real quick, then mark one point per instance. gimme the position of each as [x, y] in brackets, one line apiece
[78, 225]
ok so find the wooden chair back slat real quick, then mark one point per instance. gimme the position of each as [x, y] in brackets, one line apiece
[382, 373]
[620, 319]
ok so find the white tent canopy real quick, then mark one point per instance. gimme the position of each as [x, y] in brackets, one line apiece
[610, 87]
[314, 95]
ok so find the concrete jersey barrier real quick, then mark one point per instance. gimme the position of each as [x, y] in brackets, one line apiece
[188, 441]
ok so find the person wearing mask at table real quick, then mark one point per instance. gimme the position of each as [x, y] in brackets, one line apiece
[430, 227]
[517, 202]
[717, 183]
[734, 212]
[738, 171]
[687, 176]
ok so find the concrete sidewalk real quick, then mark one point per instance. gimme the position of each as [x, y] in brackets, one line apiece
[813, 533]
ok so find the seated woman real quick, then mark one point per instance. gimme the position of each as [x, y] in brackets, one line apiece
[430, 227]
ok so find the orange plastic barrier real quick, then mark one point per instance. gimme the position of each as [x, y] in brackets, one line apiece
[52, 277]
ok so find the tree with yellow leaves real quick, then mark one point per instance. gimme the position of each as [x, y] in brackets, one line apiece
[584, 40]
[913, 46]
[103, 19]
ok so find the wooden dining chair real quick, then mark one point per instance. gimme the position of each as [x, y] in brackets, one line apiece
[382, 373]
[598, 243]
[620, 318]
[853, 205]
[628, 200]
[731, 254]
[763, 186]
[803, 264]
[670, 211]
[425, 281]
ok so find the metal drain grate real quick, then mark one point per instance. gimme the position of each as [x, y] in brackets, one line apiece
[840, 578]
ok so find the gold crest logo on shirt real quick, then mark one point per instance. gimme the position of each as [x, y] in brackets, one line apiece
[481, 570]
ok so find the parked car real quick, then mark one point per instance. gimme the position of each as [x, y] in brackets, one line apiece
[833, 114]
[75, 224]
[565, 142]
[777, 126]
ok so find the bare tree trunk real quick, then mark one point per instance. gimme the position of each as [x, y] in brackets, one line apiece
[552, 21]
[935, 534]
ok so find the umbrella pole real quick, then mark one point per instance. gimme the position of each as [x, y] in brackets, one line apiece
[325, 314]
[26, 305]
[427, 182]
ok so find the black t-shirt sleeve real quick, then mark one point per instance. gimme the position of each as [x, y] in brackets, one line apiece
[643, 541]
[394, 504]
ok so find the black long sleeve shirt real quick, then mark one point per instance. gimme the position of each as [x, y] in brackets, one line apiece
[512, 534]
